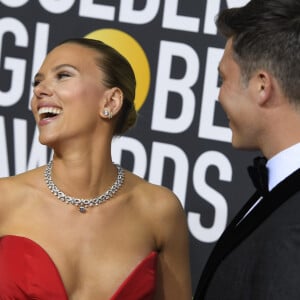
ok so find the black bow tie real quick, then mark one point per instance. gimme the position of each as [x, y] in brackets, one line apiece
[259, 175]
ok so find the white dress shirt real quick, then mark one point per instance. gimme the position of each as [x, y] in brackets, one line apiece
[283, 164]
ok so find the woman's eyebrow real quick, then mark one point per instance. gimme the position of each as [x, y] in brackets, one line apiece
[63, 66]
[56, 68]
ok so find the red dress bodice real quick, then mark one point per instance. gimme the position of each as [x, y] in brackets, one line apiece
[27, 272]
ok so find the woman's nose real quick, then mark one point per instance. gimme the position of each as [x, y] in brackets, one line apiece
[42, 89]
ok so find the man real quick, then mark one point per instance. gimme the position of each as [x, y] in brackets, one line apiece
[258, 255]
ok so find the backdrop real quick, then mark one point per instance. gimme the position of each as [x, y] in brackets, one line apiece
[181, 139]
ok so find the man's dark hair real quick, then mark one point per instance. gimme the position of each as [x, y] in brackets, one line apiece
[266, 35]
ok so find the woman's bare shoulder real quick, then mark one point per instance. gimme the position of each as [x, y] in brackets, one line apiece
[153, 197]
[160, 208]
[13, 187]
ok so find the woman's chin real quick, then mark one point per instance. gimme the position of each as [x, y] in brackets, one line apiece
[46, 141]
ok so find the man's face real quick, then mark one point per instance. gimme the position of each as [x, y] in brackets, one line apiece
[236, 98]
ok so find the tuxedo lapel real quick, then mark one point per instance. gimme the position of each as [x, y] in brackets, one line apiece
[221, 248]
[241, 226]
[228, 238]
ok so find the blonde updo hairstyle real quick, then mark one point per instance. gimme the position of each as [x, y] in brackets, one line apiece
[118, 73]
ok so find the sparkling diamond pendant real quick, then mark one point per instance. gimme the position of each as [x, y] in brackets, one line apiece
[82, 209]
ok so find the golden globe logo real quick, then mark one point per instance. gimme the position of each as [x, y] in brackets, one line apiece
[134, 53]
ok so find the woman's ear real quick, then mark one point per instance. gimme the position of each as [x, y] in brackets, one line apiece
[112, 104]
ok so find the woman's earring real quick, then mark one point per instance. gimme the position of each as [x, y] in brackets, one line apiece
[107, 113]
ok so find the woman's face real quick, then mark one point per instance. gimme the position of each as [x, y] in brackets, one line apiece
[68, 93]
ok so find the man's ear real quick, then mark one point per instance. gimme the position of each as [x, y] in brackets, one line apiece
[112, 104]
[264, 87]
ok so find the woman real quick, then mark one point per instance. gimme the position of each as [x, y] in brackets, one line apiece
[81, 227]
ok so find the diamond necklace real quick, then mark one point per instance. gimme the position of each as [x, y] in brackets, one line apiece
[83, 204]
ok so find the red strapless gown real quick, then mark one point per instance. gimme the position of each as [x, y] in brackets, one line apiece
[27, 272]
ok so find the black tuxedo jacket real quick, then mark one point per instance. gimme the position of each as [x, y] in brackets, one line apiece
[258, 256]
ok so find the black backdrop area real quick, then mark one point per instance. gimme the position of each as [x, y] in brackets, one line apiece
[181, 139]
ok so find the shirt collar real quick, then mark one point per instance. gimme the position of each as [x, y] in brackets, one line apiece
[283, 164]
